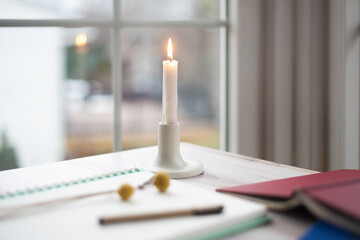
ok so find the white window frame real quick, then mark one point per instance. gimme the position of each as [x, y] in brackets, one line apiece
[116, 24]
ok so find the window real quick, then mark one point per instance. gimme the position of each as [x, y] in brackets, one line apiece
[81, 79]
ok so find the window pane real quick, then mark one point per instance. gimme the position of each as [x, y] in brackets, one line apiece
[54, 97]
[88, 92]
[170, 9]
[197, 52]
[52, 9]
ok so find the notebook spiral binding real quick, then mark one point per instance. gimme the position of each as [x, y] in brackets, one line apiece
[73, 182]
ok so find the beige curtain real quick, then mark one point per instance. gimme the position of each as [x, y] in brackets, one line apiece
[294, 81]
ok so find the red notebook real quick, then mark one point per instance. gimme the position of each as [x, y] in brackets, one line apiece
[333, 196]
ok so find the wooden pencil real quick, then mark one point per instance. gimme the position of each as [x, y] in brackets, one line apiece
[157, 215]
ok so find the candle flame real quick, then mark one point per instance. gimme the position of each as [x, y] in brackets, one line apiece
[80, 40]
[170, 54]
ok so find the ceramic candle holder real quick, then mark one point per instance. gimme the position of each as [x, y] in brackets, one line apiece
[169, 159]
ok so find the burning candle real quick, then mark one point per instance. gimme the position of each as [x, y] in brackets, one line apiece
[169, 94]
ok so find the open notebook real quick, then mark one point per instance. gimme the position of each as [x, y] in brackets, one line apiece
[79, 219]
[333, 196]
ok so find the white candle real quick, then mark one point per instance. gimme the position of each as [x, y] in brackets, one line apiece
[169, 94]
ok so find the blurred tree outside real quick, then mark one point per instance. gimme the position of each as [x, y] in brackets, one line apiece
[90, 64]
[8, 158]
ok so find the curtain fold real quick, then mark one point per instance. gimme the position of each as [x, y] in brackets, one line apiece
[294, 81]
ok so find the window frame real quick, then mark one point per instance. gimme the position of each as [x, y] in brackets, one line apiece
[116, 24]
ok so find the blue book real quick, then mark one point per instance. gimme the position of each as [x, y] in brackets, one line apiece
[324, 230]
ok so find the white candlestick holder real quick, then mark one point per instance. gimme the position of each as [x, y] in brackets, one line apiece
[169, 159]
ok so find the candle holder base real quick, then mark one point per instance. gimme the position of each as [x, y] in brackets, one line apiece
[191, 169]
[169, 159]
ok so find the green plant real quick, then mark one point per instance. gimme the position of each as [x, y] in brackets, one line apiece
[8, 158]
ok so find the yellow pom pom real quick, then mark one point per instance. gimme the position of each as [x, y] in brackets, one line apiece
[161, 181]
[125, 191]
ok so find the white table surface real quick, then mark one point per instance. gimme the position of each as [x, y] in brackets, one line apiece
[222, 169]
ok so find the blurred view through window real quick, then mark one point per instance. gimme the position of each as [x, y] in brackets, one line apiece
[55, 82]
